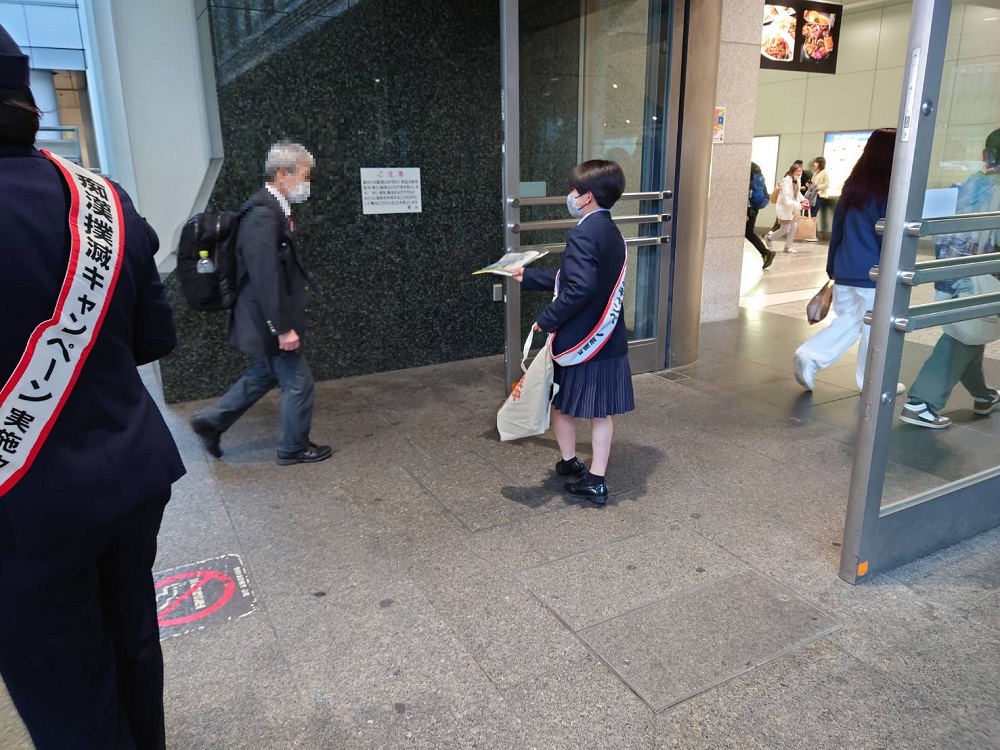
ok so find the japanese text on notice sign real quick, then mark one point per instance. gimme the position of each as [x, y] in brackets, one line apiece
[393, 190]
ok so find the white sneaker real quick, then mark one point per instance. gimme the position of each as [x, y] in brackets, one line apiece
[791, 250]
[767, 241]
[811, 239]
[805, 371]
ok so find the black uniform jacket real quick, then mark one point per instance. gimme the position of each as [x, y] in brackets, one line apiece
[274, 287]
[109, 448]
[589, 273]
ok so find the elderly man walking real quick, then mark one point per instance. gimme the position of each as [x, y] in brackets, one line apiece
[268, 322]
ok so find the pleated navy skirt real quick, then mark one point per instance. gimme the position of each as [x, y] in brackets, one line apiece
[595, 389]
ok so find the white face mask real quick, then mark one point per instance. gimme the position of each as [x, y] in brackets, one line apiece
[299, 193]
[571, 200]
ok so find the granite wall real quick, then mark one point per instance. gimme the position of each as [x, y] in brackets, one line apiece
[739, 62]
[381, 83]
[384, 83]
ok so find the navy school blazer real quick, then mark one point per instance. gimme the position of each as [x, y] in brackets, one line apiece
[588, 274]
[109, 448]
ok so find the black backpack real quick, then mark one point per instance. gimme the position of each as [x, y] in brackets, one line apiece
[214, 232]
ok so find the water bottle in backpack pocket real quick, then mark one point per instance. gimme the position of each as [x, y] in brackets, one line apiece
[206, 260]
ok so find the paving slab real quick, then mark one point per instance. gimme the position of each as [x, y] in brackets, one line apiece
[608, 581]
[698, 638]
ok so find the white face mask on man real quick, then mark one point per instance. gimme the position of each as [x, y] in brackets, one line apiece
[299, 193]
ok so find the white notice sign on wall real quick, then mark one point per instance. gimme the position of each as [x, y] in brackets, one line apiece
[386, 190]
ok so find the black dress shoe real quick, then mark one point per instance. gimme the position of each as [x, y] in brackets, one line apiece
[570, 468]
[313, 454]
[209, 435]
[588, 488]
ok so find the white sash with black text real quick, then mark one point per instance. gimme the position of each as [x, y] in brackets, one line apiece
[601, 333]
[30, 401]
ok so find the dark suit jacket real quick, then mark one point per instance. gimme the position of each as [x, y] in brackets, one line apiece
[589, 271]
[274, 284]
[109, 448]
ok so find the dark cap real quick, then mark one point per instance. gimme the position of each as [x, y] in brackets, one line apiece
[14, 70]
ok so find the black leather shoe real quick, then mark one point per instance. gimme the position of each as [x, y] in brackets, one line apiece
[313, 454]
[570, 468]
[209, 435]
[589, 489]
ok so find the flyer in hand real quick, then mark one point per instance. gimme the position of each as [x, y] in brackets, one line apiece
[511, 262]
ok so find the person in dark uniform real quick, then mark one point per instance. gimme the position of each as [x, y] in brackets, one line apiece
[86, 460]
[590, 341]
[269, 318]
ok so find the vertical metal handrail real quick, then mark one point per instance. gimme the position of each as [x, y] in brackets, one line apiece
[915, 135]
[510, 50]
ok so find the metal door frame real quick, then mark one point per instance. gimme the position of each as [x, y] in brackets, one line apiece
[878, 538]
[654, 217]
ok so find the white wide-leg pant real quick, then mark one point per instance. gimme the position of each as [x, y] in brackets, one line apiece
[788, 230]
[850, 303]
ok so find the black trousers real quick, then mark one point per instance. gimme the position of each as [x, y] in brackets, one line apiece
[79, 643]
[751, 235]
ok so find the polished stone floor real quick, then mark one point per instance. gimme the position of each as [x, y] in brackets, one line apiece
[431, 587]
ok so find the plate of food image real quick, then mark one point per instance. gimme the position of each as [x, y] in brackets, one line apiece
[776, 44]
[817, 41]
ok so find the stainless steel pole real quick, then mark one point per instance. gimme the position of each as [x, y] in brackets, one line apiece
[511, 113]
[914, 138]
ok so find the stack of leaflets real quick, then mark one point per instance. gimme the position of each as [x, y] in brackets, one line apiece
[511, 262]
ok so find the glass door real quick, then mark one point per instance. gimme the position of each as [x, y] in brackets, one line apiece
[927, 463]
[589, 79]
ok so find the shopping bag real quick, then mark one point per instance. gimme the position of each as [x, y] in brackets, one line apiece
[775, 193]
[978, 330]
[527, 409]
[819, 305]
[806, 229]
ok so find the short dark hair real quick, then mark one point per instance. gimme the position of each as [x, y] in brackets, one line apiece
[19, 117]
[820, 162]
[798, 162]
[993, 147]
[605, 179]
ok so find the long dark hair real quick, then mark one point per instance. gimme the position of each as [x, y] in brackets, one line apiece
[19, 117]
[870, 177]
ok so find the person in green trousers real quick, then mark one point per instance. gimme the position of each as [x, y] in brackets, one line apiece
[952, 361]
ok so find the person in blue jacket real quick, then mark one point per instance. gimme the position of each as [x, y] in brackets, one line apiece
[79, 641]
[589, 341]
[854, 248]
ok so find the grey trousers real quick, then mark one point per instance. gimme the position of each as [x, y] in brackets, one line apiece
[290, 371]
[951, 362]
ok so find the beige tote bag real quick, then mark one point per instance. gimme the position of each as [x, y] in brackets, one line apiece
[526, 411]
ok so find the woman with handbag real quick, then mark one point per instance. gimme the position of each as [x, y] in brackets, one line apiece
[789, 209]
[854, 248]
[588, 339]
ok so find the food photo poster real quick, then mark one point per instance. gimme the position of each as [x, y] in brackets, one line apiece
[801, 36]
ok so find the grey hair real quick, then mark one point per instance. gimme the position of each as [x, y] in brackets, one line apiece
[287, 156]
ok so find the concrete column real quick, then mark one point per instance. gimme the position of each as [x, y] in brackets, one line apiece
[43, 88]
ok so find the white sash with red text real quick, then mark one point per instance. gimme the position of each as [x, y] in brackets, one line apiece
[30, 401]
[601, 333]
